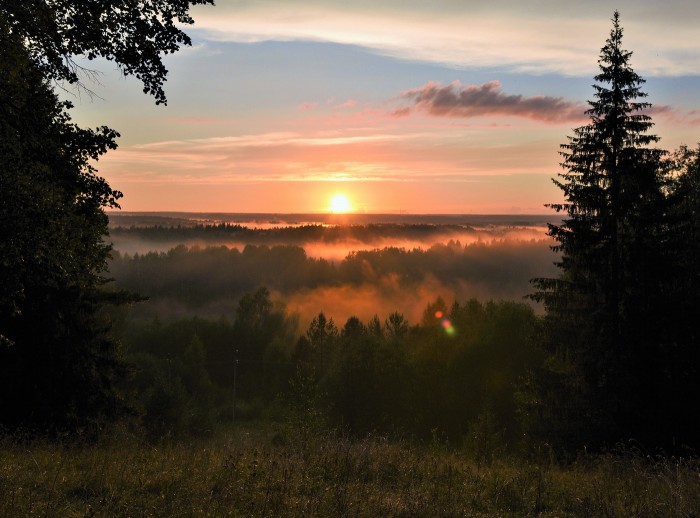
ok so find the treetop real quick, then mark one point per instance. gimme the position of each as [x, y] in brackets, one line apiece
[132, 33]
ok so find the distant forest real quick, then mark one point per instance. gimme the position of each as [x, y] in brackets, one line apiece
[370, 233]
[364, 342]
[209, 280]
[159, 233]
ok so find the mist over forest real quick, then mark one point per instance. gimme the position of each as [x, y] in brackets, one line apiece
[354, 265]
[377, 317]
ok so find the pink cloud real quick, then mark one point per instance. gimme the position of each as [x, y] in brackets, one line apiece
[457, 100]
[673, 115]
[694, 117]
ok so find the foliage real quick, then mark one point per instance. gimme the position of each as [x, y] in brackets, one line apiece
[160, 229]
[397, 379]
[51, 215]
[262, 337]
[604, 329]
[57, 359]
[681, 382]
[184, 370]
[684, 243]
[55, 356]
[369, 383]
[132, 34]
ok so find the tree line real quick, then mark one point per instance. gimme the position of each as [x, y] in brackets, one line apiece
[449, 375]
[371, 234]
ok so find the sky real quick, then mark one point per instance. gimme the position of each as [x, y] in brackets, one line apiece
[441, 106]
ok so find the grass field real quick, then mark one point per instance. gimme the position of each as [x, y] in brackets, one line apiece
[255, 472]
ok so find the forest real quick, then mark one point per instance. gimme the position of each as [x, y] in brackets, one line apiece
[383, 344]
[369, 374]
[347, 268]
[372, 369]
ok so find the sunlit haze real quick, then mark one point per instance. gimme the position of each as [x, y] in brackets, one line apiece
[404, 107]
[340, 204]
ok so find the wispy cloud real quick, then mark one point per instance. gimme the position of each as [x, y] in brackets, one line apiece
[326, 156]
[674, 115]
[540, 37]
[694, 117]
[466, 101]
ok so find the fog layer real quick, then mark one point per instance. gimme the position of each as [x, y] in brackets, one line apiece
[342, 271]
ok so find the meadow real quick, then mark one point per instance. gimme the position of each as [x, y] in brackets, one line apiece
[273, 471]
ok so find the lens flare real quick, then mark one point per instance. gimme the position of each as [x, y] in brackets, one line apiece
[445, 323]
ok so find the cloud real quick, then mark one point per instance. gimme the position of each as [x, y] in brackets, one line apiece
[438, 156]
[674, 115]
[694, 117]
[457, 100]
[544, 36]
[271, 156]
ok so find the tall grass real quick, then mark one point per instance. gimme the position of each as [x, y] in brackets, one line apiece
[255, 472]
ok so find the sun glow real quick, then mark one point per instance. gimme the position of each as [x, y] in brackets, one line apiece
[340, 204]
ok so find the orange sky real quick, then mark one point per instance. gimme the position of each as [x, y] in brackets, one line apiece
[279, 106]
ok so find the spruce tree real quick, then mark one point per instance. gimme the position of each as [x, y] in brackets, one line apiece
[599, 330]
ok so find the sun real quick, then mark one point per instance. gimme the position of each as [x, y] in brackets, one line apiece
[340, 203]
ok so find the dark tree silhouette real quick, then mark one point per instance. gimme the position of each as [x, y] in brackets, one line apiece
[132, 34]
[57, 360]
[601, 327]
[54, 359]
[682, 355]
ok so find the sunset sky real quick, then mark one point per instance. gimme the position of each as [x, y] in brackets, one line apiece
[447, 106]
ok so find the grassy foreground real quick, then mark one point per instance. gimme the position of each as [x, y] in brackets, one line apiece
[254, 473]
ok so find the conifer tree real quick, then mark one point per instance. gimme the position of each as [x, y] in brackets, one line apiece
[599, 330]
